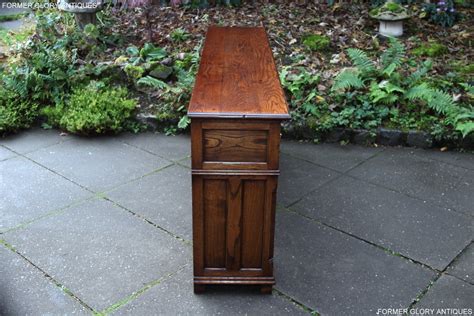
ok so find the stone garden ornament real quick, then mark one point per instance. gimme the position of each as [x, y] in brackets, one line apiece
[391, 16]
[84, 10]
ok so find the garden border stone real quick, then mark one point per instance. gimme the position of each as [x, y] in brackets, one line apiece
[381, 136]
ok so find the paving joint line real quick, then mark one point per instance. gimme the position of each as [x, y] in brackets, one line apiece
[119, 304]
[386, 250]
[183, 240]
[154, 154]
[53, 171]
[460, 279]
[296, 302]
[135, 179]
[37, 149]
[446, 162]
[332, 169]
[338, 176]
[58, 284]
[54, 212]
[437, 277]
[430, 202]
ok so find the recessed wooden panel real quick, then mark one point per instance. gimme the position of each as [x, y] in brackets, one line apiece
[235, 145]
[253, 211]
[215, 214]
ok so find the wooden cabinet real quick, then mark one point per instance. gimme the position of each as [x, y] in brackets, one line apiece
[236, 110]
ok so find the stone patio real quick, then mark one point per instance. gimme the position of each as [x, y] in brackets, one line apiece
[103, 225]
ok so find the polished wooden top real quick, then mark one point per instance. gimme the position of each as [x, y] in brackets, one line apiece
[237, 76]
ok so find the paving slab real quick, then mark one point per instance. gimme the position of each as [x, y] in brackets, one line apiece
[336, 157]
[463, 267]
[400, 169]
[171, 147]
[449, 293]
[98, 163]
[336, 274]
[461, 198]
[26, 291]
[413, 228]
[29, 191]
[298, 178]
[31, 140]
[99, 251]
[163, 198]
[5, 153]
[175, 297]
[465, 160]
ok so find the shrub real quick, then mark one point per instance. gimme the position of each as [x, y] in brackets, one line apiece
[316, 42]
[15, 113]
[93, 110]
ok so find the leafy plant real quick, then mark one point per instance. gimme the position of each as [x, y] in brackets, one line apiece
[146, 54]
[442, 13]
[387, 84]
[179, 35]
[95, 109]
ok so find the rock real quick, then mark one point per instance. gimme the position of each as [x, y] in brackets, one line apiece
[161, 72]
[419, 139]
[390, 137]
[149, 120]
[168, 61]
[363, 137]
[337, 135]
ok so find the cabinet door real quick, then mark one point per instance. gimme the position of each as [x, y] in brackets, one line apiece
[233, 224]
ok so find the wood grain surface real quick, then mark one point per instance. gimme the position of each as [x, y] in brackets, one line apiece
[237, 76]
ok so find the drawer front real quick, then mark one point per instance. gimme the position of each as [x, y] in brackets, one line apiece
[233, 225]
[235, 145]
[221, 145]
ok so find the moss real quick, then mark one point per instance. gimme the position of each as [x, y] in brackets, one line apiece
[388, 11]
[134, 72]
[316, 42]
[393, 7]
[431, 49]
[375, 11]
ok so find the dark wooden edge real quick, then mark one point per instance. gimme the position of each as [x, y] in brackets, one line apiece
[228, 115]
[208, 172]
[235, 280]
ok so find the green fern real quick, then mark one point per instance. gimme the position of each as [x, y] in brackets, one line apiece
[421, 92]
[361, 60]
[152, 82]
[441, 101]
[348, 79]
[393, 56]
[436, 99]
[421, 71]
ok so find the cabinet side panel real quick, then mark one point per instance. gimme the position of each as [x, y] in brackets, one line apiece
[215, 213]
[253, 211]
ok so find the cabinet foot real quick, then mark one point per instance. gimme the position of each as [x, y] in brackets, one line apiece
[199, 288]
[266, 289]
